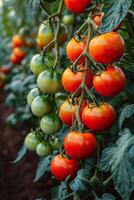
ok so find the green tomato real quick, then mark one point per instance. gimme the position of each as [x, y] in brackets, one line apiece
[68, 19]
[31, 141]
[36, 65]
[50, 124]
[43, 149]
[31, 95]
[40, 106]
[49, 81]
[59, 100]
[56, 144]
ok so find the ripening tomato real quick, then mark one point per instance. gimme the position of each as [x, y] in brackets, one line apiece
[18, 41]
[99, 118]
[31, 95]
[5, 69]
[14, 59]
[67, 111]
[72, 80]
[20, 53]
[75, 48]
[110, 82]
[62, 167]
[107, 48]
[80, 145]
[77, 6]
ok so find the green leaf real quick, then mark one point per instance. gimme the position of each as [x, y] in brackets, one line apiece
[59, 192]
[126, 113]
[21, 153]
[43, 166]
[119, 159]
[107, 196]
[115, 11]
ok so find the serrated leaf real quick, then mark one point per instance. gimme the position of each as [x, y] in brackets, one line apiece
[43, 166]
[119, 160]
[107, 196]
[21, 153]
[126, 113]
[115, 11]
[59, 192]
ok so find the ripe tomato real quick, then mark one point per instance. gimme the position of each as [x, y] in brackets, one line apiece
[49, 81]
[62, 167]
[31, 141]
[40, 106]
[31, 95]
[74, 49]
[14, 59]
[43, 149]
[107, 48]
[72, 80]
[18, 41]
[98, 18]
[80, 145]
[99, 118]
[77, 6]
[110, 82]
[50, 124]
[20, 53]
[67, 111]
[46, 34]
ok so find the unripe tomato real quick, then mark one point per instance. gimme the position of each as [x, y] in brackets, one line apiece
[14, 59]
[46, 34]
[59, 99]
[77, 6]
[31, 141]
[99, 118]
[43, 149]
[31, 95]
[80, 145]
[20, 53]
[40, 106]
[49, 81]
[62, 167]
[68, 19]
[74, 49]
[30, 42]
[56, 144]
[110, 82]
[72, 80]
[36, 64]
[107, 48]
[50, 124]
[67, 111]
[18, 41]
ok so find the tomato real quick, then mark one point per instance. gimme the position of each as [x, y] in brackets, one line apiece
[31, 141]
[56, 144]
[80, 145]
[68, 19]
[50, 124]
[20, 53]
[62, 167]
[46, 34]
[107, 48]
[74, 49]
[98, 18]
[14, 59]
[43, 149]
[49, 81]
[18, 41]
[59, 99]
[72, 80]
[67, 111]
[31, 95]
[99, 118]
[110, 82]
[77, 6]
[5, 69]
[40, 106]
[37, 65]
[30, 42]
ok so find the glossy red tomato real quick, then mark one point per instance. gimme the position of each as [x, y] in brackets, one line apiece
[18, 41]
[72, 80]
[110, 82]
[14, 59]
[77, 6]
[107, 48]
[99, 118]
[20, 53]
[62, 167]
[67, 111]
[80, 145]
[74, 49]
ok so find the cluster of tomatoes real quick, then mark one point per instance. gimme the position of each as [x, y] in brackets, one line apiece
[95, 116]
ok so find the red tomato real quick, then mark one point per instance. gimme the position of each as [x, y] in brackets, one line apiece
[62, 167]
[14, 59]
[18, 41]
[20, 53]
[110, 82]
[72, 80]
[80, 145]
[74, 49]
[77, 6]
[5, 69]
[67, 111]
[99, 118]
[107, 48]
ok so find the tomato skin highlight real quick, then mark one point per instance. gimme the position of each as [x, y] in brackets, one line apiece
[107, 48]
[110, 82]
[72, 80]
[80, 145]
[99, 118]
[62, 167]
